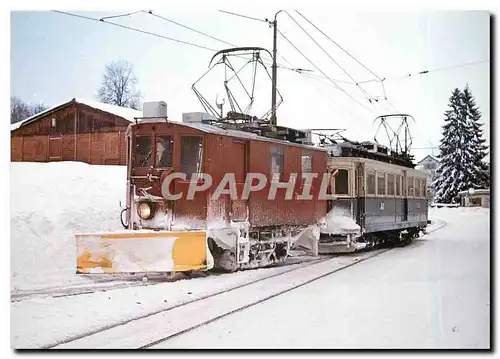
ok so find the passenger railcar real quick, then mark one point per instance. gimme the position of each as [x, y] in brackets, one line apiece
[387, 200]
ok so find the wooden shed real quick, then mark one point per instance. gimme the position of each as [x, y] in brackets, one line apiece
[77, 130]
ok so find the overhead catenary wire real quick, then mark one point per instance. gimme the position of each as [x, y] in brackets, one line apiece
[121, 15]
[147, 32]
[245, 16]
[425, 72]
[137, 30]
[317, 68]
[150, 12]
[192, 44]
[368, 96]
[344, 50]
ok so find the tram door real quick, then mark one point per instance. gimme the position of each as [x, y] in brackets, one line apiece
[405, 198]
[359, 191]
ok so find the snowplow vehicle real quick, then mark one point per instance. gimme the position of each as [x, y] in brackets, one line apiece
[204, 194]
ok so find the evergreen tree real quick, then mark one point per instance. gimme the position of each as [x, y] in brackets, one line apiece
[455, 171]
[477, 142]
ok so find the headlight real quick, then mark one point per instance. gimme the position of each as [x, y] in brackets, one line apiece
[145, 210]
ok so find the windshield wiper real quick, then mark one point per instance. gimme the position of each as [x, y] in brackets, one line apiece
[147, 158]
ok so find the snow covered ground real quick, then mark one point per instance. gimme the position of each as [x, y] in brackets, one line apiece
[49, 203]
[432, 294]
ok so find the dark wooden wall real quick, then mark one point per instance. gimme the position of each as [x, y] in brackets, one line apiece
[81, 133]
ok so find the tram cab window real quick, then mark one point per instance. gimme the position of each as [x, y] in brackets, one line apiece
[164, 151]
[380, 183]
[306, 163]
[142, 151]
[417, 187]
[341, 182]
[370, 183]
[398, 185]
[191, 154]
[277, 161]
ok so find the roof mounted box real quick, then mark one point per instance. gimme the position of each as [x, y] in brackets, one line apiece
[156, 109]
[193, 117]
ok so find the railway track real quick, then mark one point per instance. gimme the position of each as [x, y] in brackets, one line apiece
[300, 266]
[160, 343]
[58, 292]
[179, 319]
[133, 281]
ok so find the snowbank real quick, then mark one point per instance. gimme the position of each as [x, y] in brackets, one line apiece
[49, 203]
[339, 221]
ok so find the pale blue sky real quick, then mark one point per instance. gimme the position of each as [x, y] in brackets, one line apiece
[56, 57]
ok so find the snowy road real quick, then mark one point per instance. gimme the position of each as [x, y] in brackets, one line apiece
[433, 294]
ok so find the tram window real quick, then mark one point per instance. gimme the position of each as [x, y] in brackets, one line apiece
[142, 151]
[424, 188]
[370, 183]
[417, 187]
[390, 184]
[164, 151]
[398, 185]
[277, 161]
[191, 154]
[380, 183]
[410, 186]
[342, 182]
[306, 162]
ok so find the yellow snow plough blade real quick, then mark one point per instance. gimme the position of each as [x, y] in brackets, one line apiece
[137, 252]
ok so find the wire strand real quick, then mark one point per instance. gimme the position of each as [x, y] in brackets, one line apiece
[137, 30]
[425, 72]
[317, 68]
[246, 17]
[122, 15]
[189, 28]
[347, 52]
[367, 95]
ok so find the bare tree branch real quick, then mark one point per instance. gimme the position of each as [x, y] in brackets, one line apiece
[118, 86]
[20, 110]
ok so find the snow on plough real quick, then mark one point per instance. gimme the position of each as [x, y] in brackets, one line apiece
[206, 196]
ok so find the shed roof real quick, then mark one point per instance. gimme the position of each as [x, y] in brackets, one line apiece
[124, 112]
